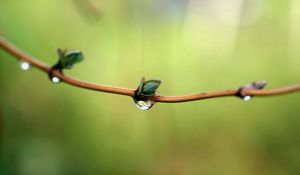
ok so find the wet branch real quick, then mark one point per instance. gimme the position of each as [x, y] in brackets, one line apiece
[22, 56]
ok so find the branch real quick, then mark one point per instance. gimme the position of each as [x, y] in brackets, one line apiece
[240, 92]
[22, 56]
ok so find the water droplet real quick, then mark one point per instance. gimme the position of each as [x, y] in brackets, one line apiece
[144, 105]
[55, 79]
[24, 65]
[247, 98]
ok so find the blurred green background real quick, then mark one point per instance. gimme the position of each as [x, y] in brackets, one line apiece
[192, 46]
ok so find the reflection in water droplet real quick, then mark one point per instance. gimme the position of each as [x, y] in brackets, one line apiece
[247, 98]
[144, 105]
[24, 65]
[55, 80]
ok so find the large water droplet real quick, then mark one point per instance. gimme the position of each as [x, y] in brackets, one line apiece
[144, 105]
[24, 65]
[55, 79]
[247, 98]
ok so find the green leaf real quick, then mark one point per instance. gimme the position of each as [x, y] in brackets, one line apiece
[68, 58]
[141, 85]
[150, 86]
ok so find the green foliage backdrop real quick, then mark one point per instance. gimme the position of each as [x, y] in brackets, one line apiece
[192, 46]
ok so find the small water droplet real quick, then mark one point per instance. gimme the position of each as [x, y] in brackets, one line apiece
[24, 65]
[144, 105]
[55, 79]
[247, 98]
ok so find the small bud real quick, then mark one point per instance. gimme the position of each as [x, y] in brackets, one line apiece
[145, 92]
[252, 86]
[148, 88]
[66, 61]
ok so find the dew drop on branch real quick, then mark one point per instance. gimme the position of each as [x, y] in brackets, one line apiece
[247, 98]
[55, 79]
[144, 105]
[24, 65]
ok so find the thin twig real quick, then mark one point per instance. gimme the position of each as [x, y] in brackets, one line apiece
[21, 55]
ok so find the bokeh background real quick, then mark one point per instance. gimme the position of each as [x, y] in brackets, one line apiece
[192, 46]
